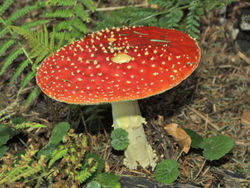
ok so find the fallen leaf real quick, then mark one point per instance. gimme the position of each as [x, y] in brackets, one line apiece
[179, 135]
[245, 117]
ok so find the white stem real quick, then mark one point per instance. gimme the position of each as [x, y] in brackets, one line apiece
[127, 115]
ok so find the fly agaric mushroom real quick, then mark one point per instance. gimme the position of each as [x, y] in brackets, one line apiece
[119, 66]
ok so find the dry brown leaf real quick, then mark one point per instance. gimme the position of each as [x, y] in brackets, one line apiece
[179, 135]
[245, 117]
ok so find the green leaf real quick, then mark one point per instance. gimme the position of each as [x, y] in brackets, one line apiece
[172, 19]
[34, 24]
[18, 120]
[94, 184]
[4, 31]
[78, 24]
[81, 13]
[19, 13]
[26, 80]
[120, 139]
[6, 133]
[60, 13]
[6, 4]
[3, 150]
[60, 130]
[12, 56]
[47, 151]
[57, 155]
[6, 45]
[30, 124]
[196, 138]
[32, 96]
[216, 147]
[88, 4]
[19, 70]
[108, 180]
[167, 171]
[99, 160]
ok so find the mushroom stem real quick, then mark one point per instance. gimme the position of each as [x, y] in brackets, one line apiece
[127, 115]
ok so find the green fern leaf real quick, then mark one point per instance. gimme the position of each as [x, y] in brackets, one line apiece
[30, 124]
[32, 96]
[57, 154]
[82, 175]
[78, 24]
[35, 24]
[6, 4]
[6, 45]
[89, 4]
[13, 55]
[60, 2]
[19, 13]
[64, 25]
[61, 40]
[3, 32]
[60, 13]
[26, 80]
[81, 13]
[19, 70]
[38, 42]
[172, 19]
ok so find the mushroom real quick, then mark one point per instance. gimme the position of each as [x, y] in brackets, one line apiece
[120, 66]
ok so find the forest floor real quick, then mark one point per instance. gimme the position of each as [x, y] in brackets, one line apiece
[214, 100]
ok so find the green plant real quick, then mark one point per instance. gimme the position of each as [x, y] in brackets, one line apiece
[70, 24]
[13, 128]
[182, 15]
[120, 139]
[68, 163]
[214, 148]
[6, 133]
[167, 171]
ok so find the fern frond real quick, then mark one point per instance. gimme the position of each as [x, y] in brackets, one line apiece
[32, 96]
[29, 124]
[57, 154]
[6, 4]
[89, 4]
[19, 13]
[7, 62]
[35, 23]
[64, 25]
[38, 41]
[3, 32]
[26, 80]
[60, 13]
[60, 2]
[171, 19]
[6, 45]
[19, 70]
[192, 20]
[79, 25]
[81, 13]
[82, 176]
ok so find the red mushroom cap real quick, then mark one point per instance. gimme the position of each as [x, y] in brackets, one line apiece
[119, 64]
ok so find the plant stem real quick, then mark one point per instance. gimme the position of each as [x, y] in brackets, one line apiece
[127, 115]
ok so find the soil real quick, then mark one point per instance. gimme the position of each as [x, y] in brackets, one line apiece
[215, 99]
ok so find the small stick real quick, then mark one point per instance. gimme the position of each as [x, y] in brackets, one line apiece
[207, 119]
[245, 58]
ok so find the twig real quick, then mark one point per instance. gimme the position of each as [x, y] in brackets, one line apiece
[117, 8]
[207, 119]
[245, 58]
[202, 166]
